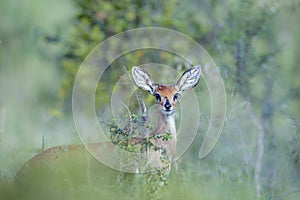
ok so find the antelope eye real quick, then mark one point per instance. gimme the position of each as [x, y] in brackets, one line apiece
[175, 97]
[157, 96]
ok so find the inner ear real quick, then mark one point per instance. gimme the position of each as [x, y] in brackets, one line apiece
[142, 79]
[189, 78]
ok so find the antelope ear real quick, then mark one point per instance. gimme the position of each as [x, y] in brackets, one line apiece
[142, 79]
[189, 78]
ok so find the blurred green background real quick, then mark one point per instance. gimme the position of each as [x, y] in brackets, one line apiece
[255, 45]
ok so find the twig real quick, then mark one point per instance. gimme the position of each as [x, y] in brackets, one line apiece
[43, 143]
[260, 148]
[2, 122]
[144, 119]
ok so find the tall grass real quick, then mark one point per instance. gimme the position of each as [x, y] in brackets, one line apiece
[29, 122]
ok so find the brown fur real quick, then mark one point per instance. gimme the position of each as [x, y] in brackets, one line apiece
[166, 91]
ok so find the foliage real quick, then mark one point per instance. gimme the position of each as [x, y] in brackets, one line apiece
[240, 36]
[254, 44]
[98, 20]
[129, 138]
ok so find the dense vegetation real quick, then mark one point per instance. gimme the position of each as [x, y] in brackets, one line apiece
[253, 43]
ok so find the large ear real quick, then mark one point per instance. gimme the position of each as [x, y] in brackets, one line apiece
[189, 78]
[142, 79]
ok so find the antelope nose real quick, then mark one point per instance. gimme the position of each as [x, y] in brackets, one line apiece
[168, 105]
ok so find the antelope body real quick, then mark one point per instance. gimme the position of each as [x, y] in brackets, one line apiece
[75, 156]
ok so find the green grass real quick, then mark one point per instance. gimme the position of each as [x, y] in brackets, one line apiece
[29, 80]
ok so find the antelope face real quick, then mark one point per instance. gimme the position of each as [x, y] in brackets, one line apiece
[166, 94]
[167, 97]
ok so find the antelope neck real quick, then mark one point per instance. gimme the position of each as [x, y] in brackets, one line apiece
[166, 124]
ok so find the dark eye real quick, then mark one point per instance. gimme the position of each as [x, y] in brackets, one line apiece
[175, 97]
[157, 96]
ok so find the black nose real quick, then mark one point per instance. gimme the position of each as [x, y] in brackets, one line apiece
[168, 105]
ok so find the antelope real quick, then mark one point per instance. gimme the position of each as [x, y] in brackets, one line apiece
[166, 96]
